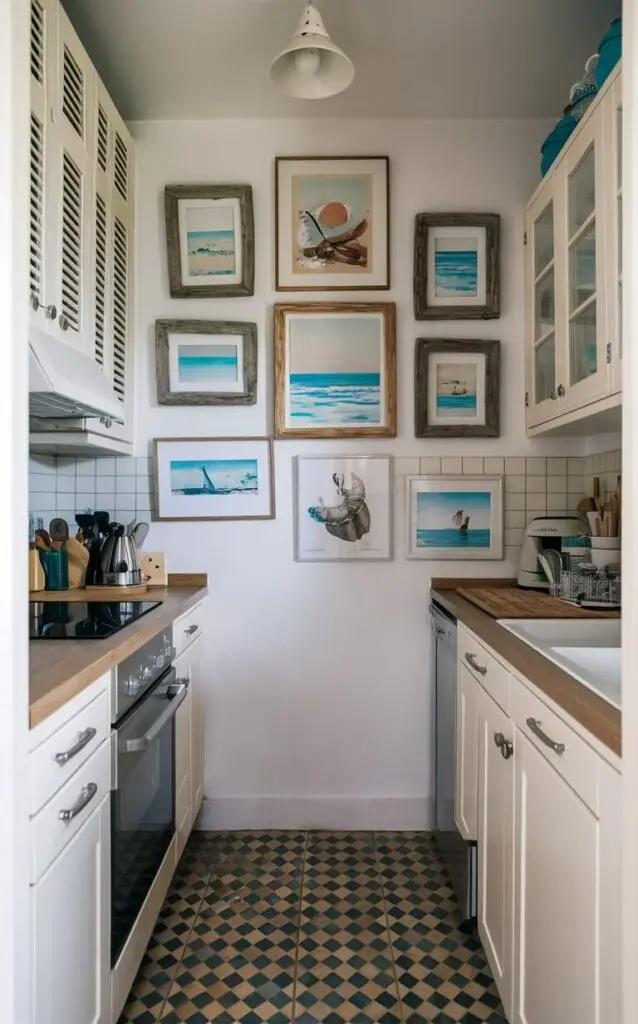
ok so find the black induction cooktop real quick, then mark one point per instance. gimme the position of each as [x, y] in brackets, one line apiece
[83, 620]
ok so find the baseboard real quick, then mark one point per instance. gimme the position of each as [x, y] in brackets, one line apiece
[347, 813]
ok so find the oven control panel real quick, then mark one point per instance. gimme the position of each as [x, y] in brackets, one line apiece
[141, 670]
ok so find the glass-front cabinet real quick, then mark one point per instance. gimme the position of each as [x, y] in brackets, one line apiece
[573, 271]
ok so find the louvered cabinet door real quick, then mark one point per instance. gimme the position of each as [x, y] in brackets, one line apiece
[110, 343]
[42, 63]
[70, 184]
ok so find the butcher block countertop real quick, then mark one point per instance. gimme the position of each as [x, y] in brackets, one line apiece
[591, 711]
[60, 669]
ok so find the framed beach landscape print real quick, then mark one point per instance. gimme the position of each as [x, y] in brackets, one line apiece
[207, 478]
[335, 370]
[204, 362]
[456, 266]
[457, 388]
[210, 240]
[343, 508]
[332, 223]
[455, 517]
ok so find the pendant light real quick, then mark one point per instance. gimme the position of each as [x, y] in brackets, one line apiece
[312, 66]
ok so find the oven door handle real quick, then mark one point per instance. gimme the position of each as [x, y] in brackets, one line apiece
[140, 743]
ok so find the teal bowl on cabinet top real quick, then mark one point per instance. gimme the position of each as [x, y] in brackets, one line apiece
[610, 51]
[556, 140]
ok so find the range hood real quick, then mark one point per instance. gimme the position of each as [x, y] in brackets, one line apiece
[66, 384]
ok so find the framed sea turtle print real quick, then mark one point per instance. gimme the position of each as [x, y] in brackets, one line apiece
[343, 508]
[332, 223]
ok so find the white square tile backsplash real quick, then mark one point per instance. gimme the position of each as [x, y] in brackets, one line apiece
[124, 487]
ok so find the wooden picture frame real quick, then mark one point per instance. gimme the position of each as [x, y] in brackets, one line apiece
[355, 399]
[223, 274]
[465, 285]
[219, 503]
[446, 404]
[239, 355]
[332, 223]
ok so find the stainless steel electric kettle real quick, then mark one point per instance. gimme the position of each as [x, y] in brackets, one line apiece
[118, 559]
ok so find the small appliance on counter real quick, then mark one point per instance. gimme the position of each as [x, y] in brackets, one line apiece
[543, 543]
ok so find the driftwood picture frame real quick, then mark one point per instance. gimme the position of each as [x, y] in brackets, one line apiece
[205, 362]
[457, 388]
[210, 240]
[335, 369]
[457, 266]
[332, 223]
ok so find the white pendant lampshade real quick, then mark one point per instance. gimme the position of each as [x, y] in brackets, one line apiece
[312, 66]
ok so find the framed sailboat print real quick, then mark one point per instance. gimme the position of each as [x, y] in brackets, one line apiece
[455, 517]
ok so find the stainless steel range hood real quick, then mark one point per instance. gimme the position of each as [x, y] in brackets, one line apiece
[66, 384]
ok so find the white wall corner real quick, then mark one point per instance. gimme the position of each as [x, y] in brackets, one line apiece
[300, 813]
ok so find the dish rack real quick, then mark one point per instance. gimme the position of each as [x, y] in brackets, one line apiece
[589, 587]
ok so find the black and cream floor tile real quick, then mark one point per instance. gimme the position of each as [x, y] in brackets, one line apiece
[312, 928]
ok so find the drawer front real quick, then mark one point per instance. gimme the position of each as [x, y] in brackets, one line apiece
[187, 628]
[492, 676]
[53, 763]
[68, 809]
[572, 758]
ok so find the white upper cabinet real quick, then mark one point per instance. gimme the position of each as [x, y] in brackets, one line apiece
[573, 275]
[81, 209]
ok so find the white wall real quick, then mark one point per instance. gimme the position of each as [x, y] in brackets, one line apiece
[318, 709]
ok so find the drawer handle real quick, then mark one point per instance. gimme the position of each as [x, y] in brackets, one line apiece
[85, 797]
[535, 726]
[191, 629]
[82, 740]
[471, 660]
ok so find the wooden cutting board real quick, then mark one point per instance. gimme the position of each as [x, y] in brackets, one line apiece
[516, 603]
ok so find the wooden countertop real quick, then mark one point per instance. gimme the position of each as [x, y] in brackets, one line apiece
[590, 710]
[60, 669]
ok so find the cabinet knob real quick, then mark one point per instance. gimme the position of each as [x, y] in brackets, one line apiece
[499, 739]
[507, 750]
[561, 391]
[553, 394]
[63, 322]
[50, 311]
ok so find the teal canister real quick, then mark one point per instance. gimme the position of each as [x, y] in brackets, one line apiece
[55, 562]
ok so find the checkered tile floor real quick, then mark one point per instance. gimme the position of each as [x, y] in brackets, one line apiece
[312, 928]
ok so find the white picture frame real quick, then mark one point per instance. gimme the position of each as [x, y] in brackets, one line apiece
[208, 478]
[454, 517]
[343, 508]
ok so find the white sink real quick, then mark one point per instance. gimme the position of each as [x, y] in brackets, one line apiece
[589, 649]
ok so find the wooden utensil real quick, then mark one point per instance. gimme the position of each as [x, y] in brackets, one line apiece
[597, 502]
[42, 540]
[585, 506]
[59, 532]
[78, 562]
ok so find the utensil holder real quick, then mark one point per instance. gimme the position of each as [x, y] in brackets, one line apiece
[55, 563]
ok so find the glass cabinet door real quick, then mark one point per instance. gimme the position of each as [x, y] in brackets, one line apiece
[615, 282]
[541, 276]
[586, 359]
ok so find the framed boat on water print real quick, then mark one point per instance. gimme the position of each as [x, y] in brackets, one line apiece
[332, 223]
[205, 362]
[210, 240]
[455, 517]
[456, 266]
[207, 478]
[343, 508]
[335, 370]
[457, 388]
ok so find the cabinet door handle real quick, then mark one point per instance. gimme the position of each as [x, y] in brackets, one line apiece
[85, 797]
[499, 740]
[471, 660]
[82, 740]
[191, 629]
[535, 726]
[561, 391]
[507, 750]
[553, 394]
[50, 311]
[63, 322]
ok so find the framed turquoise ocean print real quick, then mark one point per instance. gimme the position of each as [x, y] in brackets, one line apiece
[210, 240]
[205, 362]
[456, 388]
[209, 478]
[335, 370]
[454, 517]
[456, 266]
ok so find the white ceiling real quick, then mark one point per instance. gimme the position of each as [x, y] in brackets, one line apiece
[192, 59]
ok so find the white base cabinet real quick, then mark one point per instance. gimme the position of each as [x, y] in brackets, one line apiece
[496, 844]
[70, 929]
[548, 812]
[189, 744]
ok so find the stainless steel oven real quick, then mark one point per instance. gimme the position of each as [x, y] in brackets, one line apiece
[143, 796]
